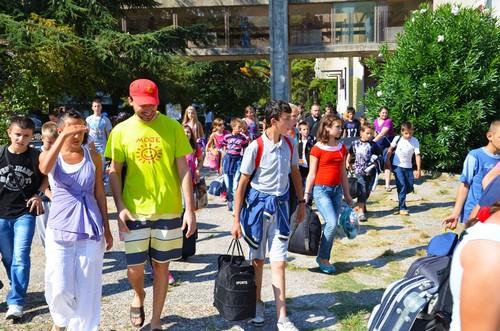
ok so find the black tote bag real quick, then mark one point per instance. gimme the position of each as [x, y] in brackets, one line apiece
[234, 292]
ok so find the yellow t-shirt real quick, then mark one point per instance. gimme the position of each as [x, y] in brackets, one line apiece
[149, 149]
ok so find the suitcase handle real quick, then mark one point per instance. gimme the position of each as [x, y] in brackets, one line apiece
[235, 244]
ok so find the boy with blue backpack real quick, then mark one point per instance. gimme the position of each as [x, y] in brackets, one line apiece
[261, 213]
[477, 164]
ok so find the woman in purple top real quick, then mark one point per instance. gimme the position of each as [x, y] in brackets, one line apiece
[384, 131]
[77, 229]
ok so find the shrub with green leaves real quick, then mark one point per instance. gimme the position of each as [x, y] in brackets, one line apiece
[444, 77]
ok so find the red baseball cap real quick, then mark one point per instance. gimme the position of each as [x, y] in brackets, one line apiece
[144, 92]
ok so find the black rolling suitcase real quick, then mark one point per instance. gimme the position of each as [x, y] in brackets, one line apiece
[305, 237]
[234, 291]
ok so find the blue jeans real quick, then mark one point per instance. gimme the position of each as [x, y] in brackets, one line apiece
[15, 245]
[329, 201]
[404, 184]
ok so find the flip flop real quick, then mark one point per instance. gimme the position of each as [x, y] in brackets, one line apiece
[137, 313]
[388, 189]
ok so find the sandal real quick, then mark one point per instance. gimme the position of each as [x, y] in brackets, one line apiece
[388, 189]
[137, 313]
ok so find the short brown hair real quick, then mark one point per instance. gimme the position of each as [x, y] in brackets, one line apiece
[235, 121]
[302, 123]
[326, 122]
[218, 121]
[406, 126]
[366, 126]
[49, 130]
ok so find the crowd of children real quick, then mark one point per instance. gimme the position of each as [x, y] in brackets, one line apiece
[267, 174]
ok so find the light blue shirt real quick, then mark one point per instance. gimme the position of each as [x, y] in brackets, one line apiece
[99, 128]
[272, 175]
[476, 165]
[209, 117]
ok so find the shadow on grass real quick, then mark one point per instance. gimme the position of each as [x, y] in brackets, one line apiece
[414, 209]
[424, 206]
[378, 262]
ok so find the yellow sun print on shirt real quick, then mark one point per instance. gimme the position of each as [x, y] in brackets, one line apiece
[148, 152]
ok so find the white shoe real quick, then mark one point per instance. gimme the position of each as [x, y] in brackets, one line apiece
[14, 312]
[286, 325]
[362, 217]
[258, 320]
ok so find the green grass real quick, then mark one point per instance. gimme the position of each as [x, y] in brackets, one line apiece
[355, 321]
[293, 267]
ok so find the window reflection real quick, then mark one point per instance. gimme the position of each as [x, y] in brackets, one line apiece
[354, 22]
[309, 24]
[249, 27]
[393, 14]
[212, 17]
[139, 21]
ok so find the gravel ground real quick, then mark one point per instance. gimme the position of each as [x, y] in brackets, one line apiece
[189, 301]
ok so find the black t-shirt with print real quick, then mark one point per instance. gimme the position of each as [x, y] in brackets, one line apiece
[12, 198]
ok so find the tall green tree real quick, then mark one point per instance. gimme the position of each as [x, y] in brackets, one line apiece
[445, 78]
[306, 88]
[224, 88]
[50, 50]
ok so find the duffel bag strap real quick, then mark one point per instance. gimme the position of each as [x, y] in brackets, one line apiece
[235, 244]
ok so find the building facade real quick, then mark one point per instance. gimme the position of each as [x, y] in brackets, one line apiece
[337, 33]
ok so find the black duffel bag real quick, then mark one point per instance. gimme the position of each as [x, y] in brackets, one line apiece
[305, 237]
[234, 292]
[354, 188]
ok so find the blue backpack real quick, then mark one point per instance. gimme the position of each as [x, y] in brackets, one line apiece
[217, 186]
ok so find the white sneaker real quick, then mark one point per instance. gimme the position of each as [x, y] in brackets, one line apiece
[258, 320]
[14, 312]
[362, 217]
[286, 325]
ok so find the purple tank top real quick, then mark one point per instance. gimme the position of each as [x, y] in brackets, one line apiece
[74, 213]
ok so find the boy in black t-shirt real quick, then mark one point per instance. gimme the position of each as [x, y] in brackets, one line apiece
[352, 127]
[20, 182]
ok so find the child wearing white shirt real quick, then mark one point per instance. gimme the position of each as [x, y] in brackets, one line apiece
[403, 147]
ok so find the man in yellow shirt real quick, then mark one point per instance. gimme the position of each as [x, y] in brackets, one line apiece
[152, 146]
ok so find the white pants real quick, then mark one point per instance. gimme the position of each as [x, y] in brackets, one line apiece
[73, 282]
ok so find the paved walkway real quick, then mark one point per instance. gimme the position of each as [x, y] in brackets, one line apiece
[380, 254]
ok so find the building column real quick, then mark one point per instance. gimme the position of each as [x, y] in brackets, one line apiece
[278, 23]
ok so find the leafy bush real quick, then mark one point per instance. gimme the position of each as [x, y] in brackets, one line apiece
[444, 77]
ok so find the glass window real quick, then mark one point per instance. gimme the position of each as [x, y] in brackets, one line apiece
[354, 22]
[213, 18]
[249, 27]
[393, 14]
[309, 24]
[139, 21]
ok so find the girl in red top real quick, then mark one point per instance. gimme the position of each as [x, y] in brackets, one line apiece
[328, 176]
